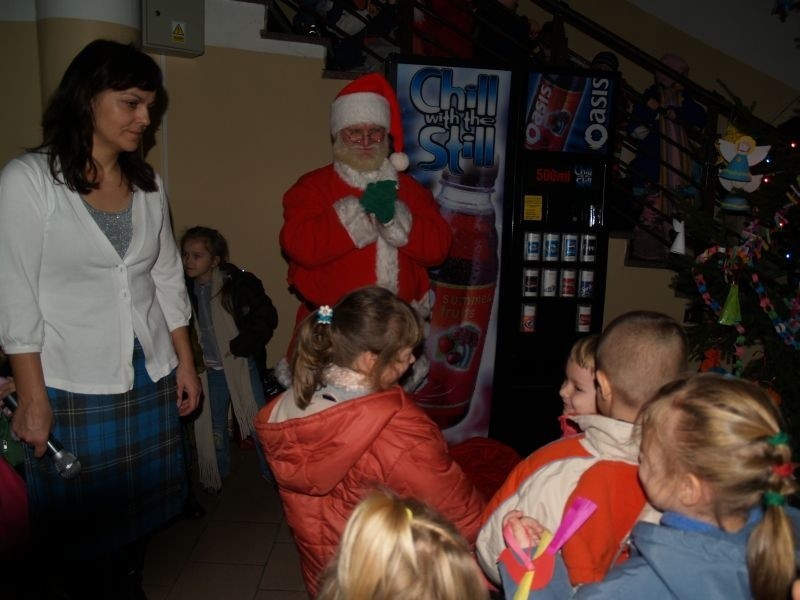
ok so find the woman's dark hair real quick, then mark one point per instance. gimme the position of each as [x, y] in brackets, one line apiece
[68, 121]
[217, 245]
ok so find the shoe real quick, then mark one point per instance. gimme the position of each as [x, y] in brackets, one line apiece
[216, 492]
[192, 508]
[247, 443]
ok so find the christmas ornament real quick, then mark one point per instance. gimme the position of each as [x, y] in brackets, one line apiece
[735, 204]
[731, 311]
[741, 155]
[679, 243]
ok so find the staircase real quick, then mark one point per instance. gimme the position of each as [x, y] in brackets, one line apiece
[642, 201]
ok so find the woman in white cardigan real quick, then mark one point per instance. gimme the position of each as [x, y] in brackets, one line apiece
[93, 317]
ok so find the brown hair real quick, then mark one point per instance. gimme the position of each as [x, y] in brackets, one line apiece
[639, 352]
[401, 549]
[217, 246]
[370, 319]
[728, 433]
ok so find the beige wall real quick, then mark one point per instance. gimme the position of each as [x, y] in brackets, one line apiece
[241, 128]
[243, 125]
[20, 104]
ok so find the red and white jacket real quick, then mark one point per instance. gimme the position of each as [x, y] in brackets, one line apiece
[600, 464]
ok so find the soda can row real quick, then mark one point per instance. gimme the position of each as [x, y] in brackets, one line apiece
[566, 283]
[554, 247]
[583, 318]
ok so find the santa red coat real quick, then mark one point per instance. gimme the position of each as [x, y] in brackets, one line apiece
[334, 246]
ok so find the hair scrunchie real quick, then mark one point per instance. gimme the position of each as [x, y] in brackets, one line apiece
[774, 498]
[778, 439]
[324, 315]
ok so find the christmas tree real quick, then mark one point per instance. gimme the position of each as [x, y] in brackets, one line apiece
[740, 271]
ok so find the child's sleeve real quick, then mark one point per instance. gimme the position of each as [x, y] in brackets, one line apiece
[542, 496]
[258, 325]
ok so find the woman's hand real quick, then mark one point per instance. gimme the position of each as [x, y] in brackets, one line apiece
[32, 422]
[185, 375]
[188, 388]
[33, 419]
[526, 530]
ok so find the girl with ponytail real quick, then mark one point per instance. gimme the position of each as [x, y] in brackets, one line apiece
[715, 457]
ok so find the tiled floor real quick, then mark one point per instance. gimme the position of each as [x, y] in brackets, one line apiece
[240, 550]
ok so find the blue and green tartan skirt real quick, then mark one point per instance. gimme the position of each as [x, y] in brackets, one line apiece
[132, 479]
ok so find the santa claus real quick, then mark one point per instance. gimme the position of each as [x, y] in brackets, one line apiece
[360, 221]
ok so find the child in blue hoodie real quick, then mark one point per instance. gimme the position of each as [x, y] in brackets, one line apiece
[716, 460]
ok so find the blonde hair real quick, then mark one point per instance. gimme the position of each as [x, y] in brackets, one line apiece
[401, 549]
[728, 433]
[370, 319]
[639, 352]
[584, 350]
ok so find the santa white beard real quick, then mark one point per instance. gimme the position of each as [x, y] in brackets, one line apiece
[354, 157]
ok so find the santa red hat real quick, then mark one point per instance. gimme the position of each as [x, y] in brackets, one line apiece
[370, 99]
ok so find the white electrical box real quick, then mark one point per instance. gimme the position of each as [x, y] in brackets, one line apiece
[174, 26]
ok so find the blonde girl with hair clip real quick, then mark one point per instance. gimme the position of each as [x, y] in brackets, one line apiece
[715, 457]
[396, 548]
[345, 425]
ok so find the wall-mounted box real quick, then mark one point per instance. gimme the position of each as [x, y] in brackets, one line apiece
[174, 26]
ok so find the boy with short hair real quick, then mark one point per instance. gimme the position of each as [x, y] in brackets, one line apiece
[637, 353]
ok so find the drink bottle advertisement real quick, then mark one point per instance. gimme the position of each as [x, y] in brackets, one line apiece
[569, 113]
[455, 123]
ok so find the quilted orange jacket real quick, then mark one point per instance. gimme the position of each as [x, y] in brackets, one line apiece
[327, 462]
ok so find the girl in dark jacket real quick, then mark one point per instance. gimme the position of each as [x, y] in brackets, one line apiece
[234, 319]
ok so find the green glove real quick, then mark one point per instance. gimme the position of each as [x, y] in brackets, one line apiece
[378, 199]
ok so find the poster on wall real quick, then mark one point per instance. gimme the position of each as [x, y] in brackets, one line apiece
[455, 125]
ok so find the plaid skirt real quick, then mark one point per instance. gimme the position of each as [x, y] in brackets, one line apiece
[133, 476]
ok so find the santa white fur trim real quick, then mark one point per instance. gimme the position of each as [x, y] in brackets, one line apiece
[359, 108]
[361, 227]
[399, 160]
[396, 232]
[387, 268]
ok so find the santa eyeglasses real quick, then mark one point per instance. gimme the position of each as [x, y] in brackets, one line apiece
[356, 135]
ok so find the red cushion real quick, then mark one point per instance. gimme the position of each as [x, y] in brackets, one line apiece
[486, 462]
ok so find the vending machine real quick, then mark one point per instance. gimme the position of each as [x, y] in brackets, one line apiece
[517, 163]
[554, 251]
[457, 118]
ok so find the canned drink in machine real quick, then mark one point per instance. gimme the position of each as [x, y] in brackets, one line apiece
[530, 282]
[569, 247]
[551, 247]
[528, 319]
[533, 246]
[588, 247]
[568, 283]
[586, 283]
[583, 319]
[549, 282]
